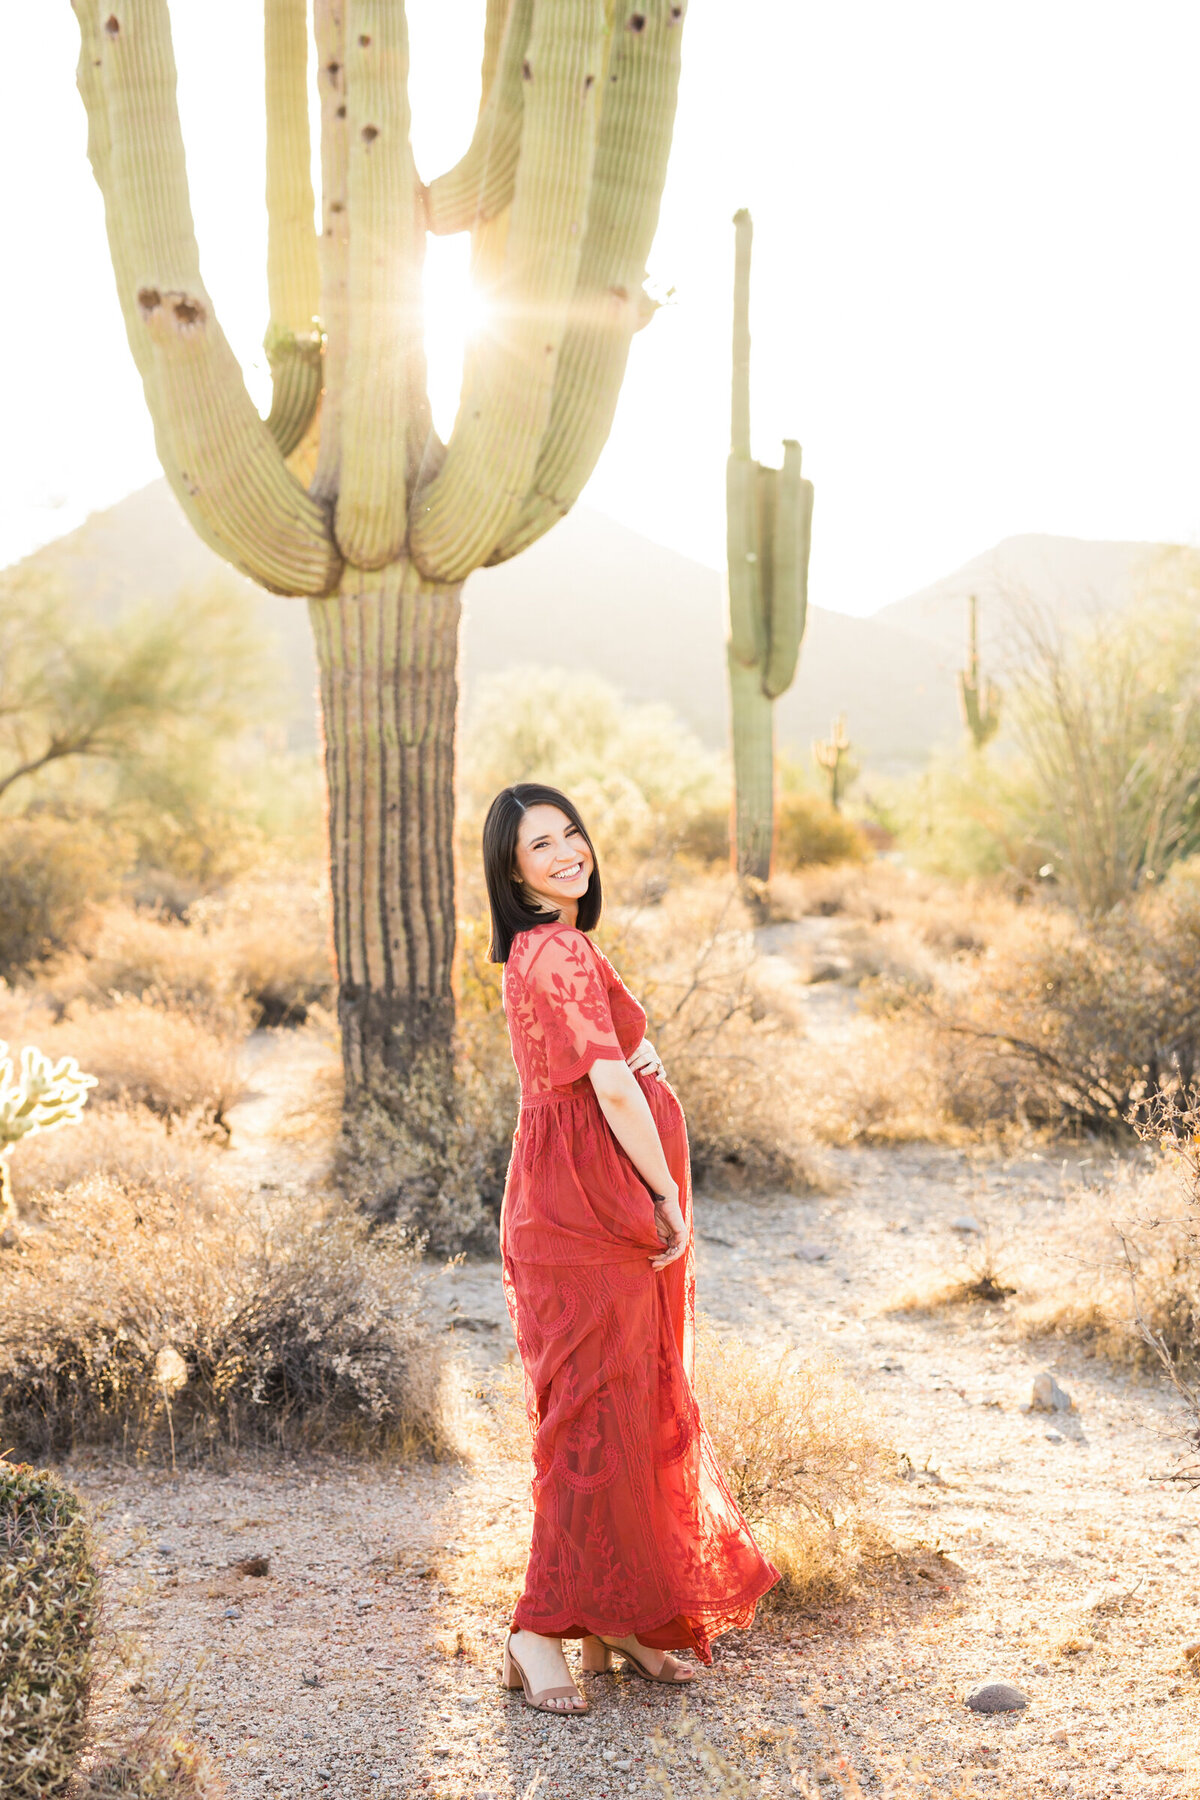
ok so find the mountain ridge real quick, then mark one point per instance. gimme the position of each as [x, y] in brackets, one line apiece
[594, 595]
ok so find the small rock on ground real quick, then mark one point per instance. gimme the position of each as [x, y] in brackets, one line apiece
[996, 1697]
[1048, 1396]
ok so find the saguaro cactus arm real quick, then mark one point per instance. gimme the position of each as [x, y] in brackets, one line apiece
[384, 320]
[334, 247]
[293, 341]
[789, 572]
[640, 91]
[219, 456]
[743, 246]
[482, 182]
[506, 397]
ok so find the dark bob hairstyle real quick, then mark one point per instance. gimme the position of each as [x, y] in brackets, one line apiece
[510, 911]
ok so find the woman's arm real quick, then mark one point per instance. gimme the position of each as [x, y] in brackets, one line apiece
[632, 1124]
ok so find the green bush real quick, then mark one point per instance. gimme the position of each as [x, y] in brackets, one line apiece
[52, 873]
[808, 830]
[49, 1597]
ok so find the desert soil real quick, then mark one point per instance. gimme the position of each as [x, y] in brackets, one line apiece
[1038, 1548]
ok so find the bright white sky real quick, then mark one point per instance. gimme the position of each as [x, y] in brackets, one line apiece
[975, 282]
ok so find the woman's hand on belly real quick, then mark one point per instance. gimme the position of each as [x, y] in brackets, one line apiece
[646, 1061]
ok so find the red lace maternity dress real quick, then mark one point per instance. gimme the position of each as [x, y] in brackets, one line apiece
[634, 1530]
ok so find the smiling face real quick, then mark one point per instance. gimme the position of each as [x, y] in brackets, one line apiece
[554, 864]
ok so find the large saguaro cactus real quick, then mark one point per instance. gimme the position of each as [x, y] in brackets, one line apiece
[769, 525]
[345, 494]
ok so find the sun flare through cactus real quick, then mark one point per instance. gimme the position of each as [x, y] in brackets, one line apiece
[35, 1095]
[345, 494]
[769, 527]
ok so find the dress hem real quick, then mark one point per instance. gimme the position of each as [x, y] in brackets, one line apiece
[736, 1613]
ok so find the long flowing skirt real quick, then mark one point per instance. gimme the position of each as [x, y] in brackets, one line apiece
[634, 1529]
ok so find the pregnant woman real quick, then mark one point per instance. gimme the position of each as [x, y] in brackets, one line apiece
[638, 1547]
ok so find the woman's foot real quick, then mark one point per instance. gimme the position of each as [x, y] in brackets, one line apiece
[656, 1665]
[541, 1661]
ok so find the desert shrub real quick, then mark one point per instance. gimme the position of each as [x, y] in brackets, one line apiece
[53, 873]
[191, 1317]
[261, 948]
[273, 933]
[117, 1144]
[1131, 1253]
[692, 963]
[1072, 1024]
[1162, 1256]
[153, 1765]
[965, 817]
[144, 956]
[1109, 723]
[809, 830]
[432, 1156]
[153, 1057]
[638, 775]
[800, 1455]
[813, 1762]
[49, 1599]
[703, 836]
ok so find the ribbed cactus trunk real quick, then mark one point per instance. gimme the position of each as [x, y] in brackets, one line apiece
[387, 648]
[345, 494]
[768, 524]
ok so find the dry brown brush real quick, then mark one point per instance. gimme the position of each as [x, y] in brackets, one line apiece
[180, 1318]
[802, 1456]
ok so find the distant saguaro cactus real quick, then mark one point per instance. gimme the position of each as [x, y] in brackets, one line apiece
[768, 525]
[832, 756]
[35, 1095]
[560, 189]
[980, 698]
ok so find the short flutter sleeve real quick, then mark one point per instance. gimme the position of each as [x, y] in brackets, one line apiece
[570, 1000]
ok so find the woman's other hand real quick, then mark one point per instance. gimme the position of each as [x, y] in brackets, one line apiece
[646, 1061]
[668, 1222]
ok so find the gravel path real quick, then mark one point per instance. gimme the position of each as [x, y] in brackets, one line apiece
[365, 1662]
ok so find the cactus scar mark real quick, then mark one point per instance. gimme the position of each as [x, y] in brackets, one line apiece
[637, 21]
[187, 311]
[112, 25]
[369, 133]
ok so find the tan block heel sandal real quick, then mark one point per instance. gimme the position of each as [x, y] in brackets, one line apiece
[598, 1660]
[514, 1677]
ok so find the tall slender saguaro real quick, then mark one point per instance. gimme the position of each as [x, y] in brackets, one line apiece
[344, 493]
[769, 526]
[978, 696]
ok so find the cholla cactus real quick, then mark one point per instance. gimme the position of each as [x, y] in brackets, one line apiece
[345, 493]
[36, 1095]
[832, 755]
[980, 698]
[769, 525]
[49, 1605]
